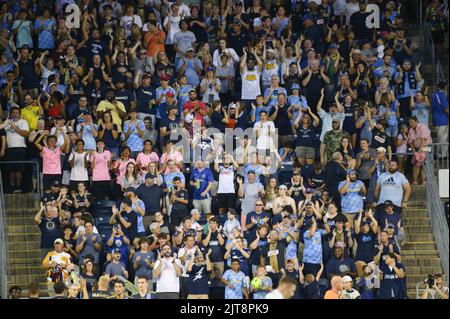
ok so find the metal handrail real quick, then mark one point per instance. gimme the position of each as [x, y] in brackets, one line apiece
[4, 258]
[39, 175]
[436, 213]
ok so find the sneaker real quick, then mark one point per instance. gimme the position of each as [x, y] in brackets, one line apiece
[17, 191]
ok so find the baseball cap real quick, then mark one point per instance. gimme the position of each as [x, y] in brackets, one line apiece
[116, 251]
[333, 46]
[170, 93]
[309, 191]
[238, 3]
[388, 203]
[232, 106]
[347, 279]
[307, 17]
[165, 77]
[58, 241]
[53, 83]
[56, 184]
[149, 175]
[210, 69]
[190, 49]
[146, 76]
[351, 171]
[381, 149]
[130, 189]
[295, 86]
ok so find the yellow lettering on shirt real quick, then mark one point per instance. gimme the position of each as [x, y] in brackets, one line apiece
[250, 77]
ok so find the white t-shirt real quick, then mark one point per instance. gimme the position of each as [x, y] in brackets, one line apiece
[250, 84]
[59, 135]
[14, 139]
[174, 27]
[265, 130]
[391, 187]
[127, 22]
[189, 253]
[226, 180]
[79, 172]
[271, 68]
[168, 280]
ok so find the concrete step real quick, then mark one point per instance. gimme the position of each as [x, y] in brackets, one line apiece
[18, 238]
[409, 261]
[418, 229]
[429, 253]
[24, 254]
[32, 245]
[25, 280]
[19, 201]
[31, 261]
[419, 237]
[20, 220]
[27, 270]
[415, 270]
[424, 246]
[415, 212]
[417, 221]
[22, 229]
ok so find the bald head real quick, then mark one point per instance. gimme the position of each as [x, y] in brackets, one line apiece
[336, 283]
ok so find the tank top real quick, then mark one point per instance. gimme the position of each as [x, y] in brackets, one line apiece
[250, 84]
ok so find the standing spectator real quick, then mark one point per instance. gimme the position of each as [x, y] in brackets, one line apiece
[394, 186]
[45, 26]
[439, 108]
[89, 243]
[419, 137]
[167, 269]
[352, 191]
[49, 226]
[202, 181]
[393, 282]
[235, 281]
[17, 130]
[198, 268]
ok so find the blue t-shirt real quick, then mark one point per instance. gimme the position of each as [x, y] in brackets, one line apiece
[238, 281]
[202, 178]
[236, 254]
[198, 280]
[88, 136]
[118, 243]
[275, 93]
[439, 102]
[312, 253]
[340, 267]
[352, 201]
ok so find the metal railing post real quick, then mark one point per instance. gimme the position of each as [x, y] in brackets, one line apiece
[4, 258]
[436, 210]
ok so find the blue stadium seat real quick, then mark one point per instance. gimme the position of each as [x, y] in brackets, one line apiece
[105, 231]
[102, 212]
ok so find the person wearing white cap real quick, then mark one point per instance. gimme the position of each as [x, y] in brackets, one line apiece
[348, 292]
[58, 264]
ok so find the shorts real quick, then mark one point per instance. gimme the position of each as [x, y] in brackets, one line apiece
[305, 152]
[202, 205]
[226, 200]
[419, 158]
[16, 154]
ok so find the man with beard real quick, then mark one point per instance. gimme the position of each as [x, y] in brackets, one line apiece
[393, 186]
[116, 108]
[332, 141]
[352, 191]
[167, 270]
[194, 105]
[339, 265]
[274, 254]
[314, 80]
[251, 69]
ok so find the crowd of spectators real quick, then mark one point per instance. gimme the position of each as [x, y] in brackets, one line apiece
[142, 201]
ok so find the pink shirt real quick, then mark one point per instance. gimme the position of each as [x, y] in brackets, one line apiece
[51, 160]
[145, 159]
[421, 131]
[174, 156]
[101, 170]
[123, 168]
